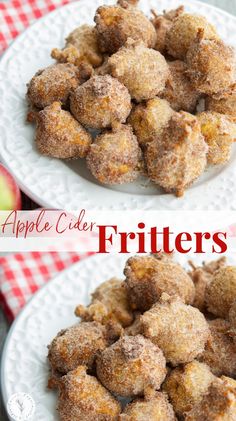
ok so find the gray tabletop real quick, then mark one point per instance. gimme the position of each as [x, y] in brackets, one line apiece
[229, 6]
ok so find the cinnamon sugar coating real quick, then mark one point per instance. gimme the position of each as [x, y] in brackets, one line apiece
[81, 46]
[186, 385]
[221, 292]
[115, 24]
[154, 408]
[219, 404]
[55, 83]
[59, 135]
[184, 31]
[148, 119]
[162, 24]
[100, 101]
[232, 319]
[82, 397]
[147, 278]
[225, 104]
[129, 68]
[77, 345]
[219, 133]
[131, 365]
[211, 65]
[142, 70]
[220, 350]
[180, 330]
[179, 92]
[109, 303]
[114, 157]
[129, 351]
[202, 277]
[176, 159]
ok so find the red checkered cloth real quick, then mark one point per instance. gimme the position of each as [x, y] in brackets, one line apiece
[16, 15]
[22, 274]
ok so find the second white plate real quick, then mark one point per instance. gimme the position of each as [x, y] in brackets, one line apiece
[69, 185]
[24, 360]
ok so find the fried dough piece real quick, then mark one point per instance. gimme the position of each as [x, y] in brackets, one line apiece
[220, 134]
[220, 351]
[149, 119]
[55, 83]
[224, 105]
[181, 331]
[59, 135]
[211, 65]
[221, 292]
[115, 24]
[162, 24]
[184, 31]
[147, 278]
[179, 92]
[114, 157]
[131, 365]
[81, 46]
[109, 303]
[179, 157]
[202, 276]
[77, 345]
[100, 101]
[186, 386]
[82, 397]
[219, 404]
[142, 70]
[232, 321]
[155, 408]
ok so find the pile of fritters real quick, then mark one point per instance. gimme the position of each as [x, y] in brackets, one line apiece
[163, 338]
[140, 83]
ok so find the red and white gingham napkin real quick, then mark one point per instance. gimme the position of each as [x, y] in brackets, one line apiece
[22, 274]
[16, 15]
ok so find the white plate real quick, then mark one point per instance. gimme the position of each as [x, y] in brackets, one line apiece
[57, 184]
[24, 360]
